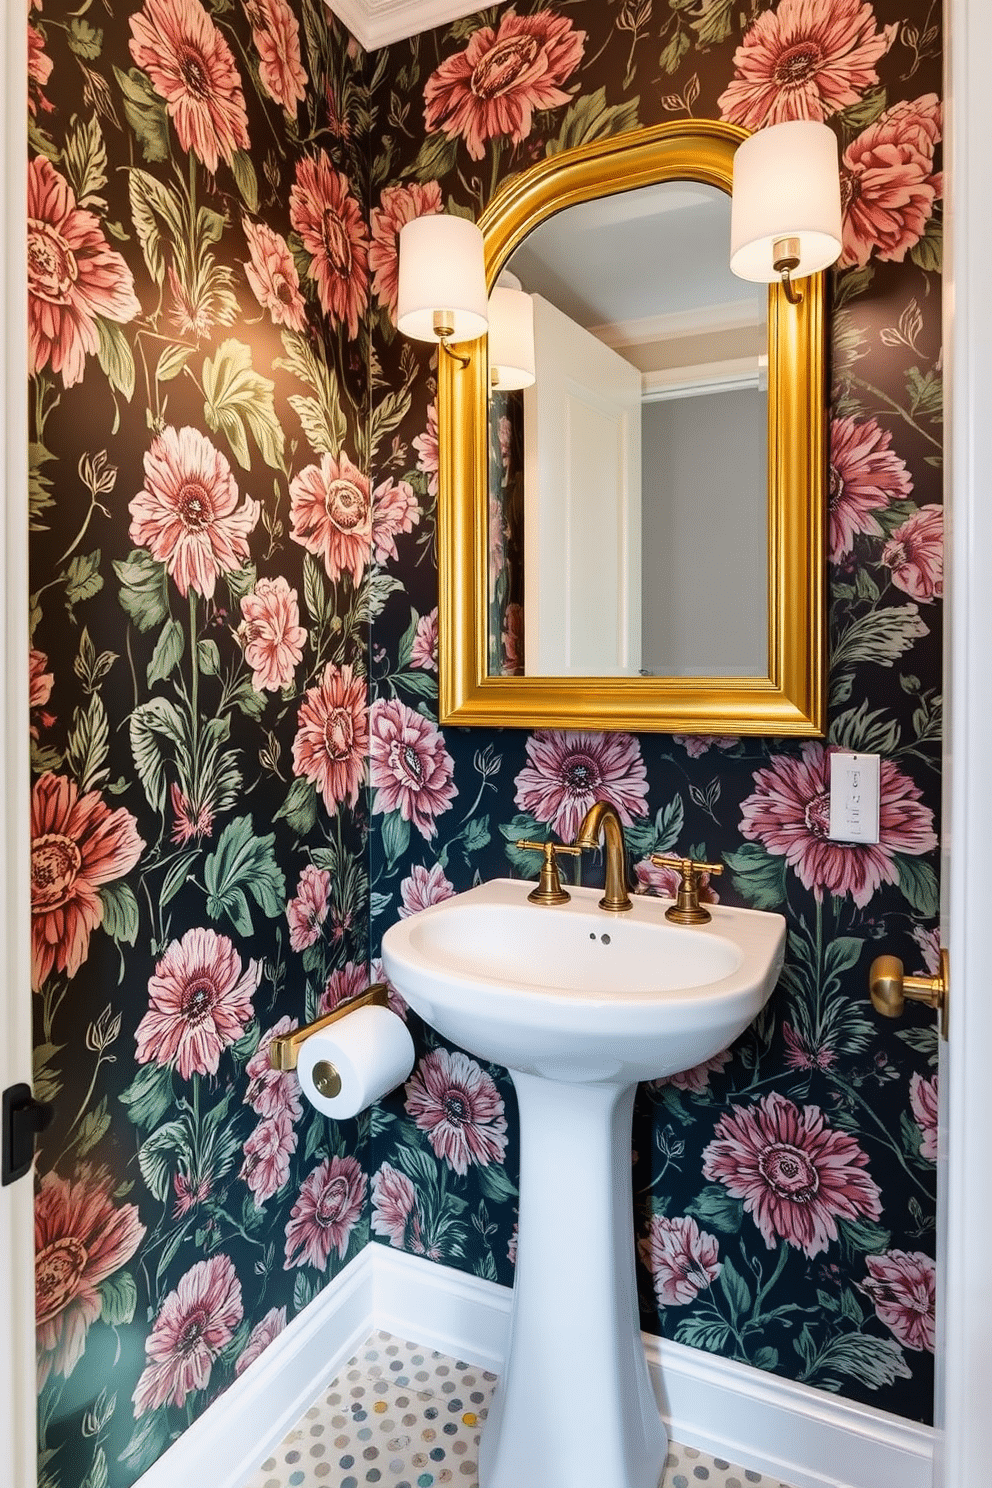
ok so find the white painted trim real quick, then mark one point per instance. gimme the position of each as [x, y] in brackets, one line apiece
[378, 23]
[733, 375]
[807, 1438]
[707, 320]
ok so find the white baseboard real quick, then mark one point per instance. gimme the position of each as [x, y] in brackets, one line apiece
[804, 1437]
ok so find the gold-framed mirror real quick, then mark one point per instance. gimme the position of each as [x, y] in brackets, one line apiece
[785, 697]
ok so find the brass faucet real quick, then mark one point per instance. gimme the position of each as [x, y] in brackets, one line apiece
[603, 816]
[687, 909]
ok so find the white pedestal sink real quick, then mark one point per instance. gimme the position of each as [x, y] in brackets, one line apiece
[579, 1005]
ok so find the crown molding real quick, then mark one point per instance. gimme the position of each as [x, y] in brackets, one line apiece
[378, 23]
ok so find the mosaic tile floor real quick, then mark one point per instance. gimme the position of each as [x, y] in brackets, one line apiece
[403, 1416]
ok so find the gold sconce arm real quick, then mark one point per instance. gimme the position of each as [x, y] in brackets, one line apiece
[889, 988]
[284, 1050]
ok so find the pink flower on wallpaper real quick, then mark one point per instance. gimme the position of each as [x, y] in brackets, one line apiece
[330, 508]
[394, 1200]
[329, 221]
[273, 1092]
[423, 651]
[513, 641]
[458, 1105]
[189, 1192]
[40, 684]
[395, 509]
[566, 772]
[308, 910]
[796, 1176]
[424, 887]
[865, 476]
[332, 736]
[74, 277]
[409, 767]
[271, 634]
[377, 973]
[888, 183]
[39, 71]
[187, 512]
[347, 981]
[929, 944]
[276, 34]
[191, 66]
[77, 846]
[923, 1100]
[915, 554]
[789, 812]
[80, 1239]
[805, 59]
[681, 1257]
[194, 1323]
[191, 822]
[651, 879]
[199, 1003]
[398, 205]
[272, 275]
[260, 1337]
[903, 1287]
[428, 456]
[696, 1080]
[267, 1153]
[801, 1053]
[696, 745]
[327, 1210]
[492, 89]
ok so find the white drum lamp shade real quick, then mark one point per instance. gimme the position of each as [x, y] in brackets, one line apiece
[511, 338]
[441, 293]
[786, 186]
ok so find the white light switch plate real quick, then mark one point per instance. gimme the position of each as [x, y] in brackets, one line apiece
[854, 797]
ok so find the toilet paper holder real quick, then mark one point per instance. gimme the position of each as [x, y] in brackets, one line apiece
[284, 1050]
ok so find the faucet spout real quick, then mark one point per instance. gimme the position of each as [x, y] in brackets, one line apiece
[603, 817]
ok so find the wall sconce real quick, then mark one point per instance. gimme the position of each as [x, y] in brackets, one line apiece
[785, 218]
[511, 335]
[441, 293]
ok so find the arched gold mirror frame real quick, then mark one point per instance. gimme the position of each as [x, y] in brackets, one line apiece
[791, 699]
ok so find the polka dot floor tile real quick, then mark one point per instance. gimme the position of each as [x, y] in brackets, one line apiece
[402, 1416]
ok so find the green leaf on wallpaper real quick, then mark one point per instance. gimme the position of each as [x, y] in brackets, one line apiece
[154, 205]
[435, 160]
[45, 1073]
[247, 700]
[927, 252]
[326, 422]
[842, 954]
[149, 1096]
[94, 1127]
[156, 732]
[849, 284]
[712, 21]
[243, 863]
[734, 1288]
[495, 1184]
[118, 1299]
[304, 1291]
[918, 883]
[82, 578]
[395, 836]
[388, 413]
[861, 1237]
[673, 53]
[120, 912]
[881, 637]
[869, 731]
[376, 589]
[240, 401]
[85, 40]
[872, 1361]
[926, 393]
[703, 1333]
[923, 1040]
[158, 1154]
[88, 745]
[148, 1441]
[146, 114]
[321, 438]
[300, 807]
[177, 875]
[245, 179]
[168, 652]
[419, 683]
[476, 835]
[590, 117]
[115, 356]
[717, 1210]
[208, 658]
[98, 1475]
[857, 116]
[757, 875]
[85, 158]
[523, 828]
[171, 362]
[143, 591]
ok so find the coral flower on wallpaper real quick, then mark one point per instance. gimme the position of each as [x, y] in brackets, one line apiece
[193, 1324]
[428, 451]
[200, 1002]
[923, 1100]
[39, 70]
[332, 736]
[395, 509]
[424, 887]
[409, 767]
[394, 1199]
[307, 910]
[681, 1257]
[329, 221]
[74, 277]
[398, 205]
[789, 812]
[423, 651]
[77, 846]
[865, 476]
[796, 1176]
[330, 509]
[260, 1337]
[888, 183]
[654, 879]
[347, 981]
[458, 1105]
[187, 512]
[80, 1239]
[566, 772]
[915, 554]
[804, 59]
[696, 1079]
[273, 1092]
[493, 87]
[192, 67]
[267, 1153]
[272, 275]
[271, 634]
[903, 1286]
[328, 1208]
[276, 34]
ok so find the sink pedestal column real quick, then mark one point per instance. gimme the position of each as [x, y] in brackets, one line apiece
[574, 1408]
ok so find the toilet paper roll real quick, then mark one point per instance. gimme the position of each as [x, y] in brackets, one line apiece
[371, 1052]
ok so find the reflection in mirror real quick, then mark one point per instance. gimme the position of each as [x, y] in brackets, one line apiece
[637, 463]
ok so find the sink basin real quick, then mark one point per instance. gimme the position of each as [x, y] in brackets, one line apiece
[573, 993]
[579, 1004]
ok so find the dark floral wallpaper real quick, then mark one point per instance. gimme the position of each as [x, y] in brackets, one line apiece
[238, 777]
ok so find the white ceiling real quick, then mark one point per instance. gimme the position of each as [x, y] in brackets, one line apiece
[377, 23]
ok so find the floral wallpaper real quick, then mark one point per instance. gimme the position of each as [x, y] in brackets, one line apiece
[238, 776]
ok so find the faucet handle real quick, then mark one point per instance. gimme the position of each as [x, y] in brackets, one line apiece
[687, 909]
[549, 889]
